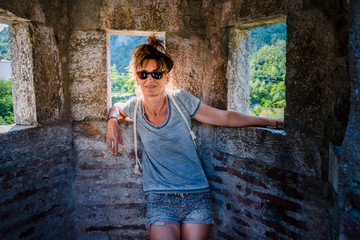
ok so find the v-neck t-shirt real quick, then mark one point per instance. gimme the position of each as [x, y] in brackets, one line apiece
[169, 161]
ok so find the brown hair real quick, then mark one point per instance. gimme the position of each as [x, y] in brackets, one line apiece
[153, 49]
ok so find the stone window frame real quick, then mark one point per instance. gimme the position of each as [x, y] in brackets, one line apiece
[238, 68]
[108, 57]
[23, 90]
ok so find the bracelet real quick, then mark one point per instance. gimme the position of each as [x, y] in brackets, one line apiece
[112, 117]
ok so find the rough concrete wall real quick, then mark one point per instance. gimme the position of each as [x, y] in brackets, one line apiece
[238, 70]
[309, 77]
[22, 75]
[36, 184]
[88, 73]
[47, 76]
[349, 166]
[189, 52]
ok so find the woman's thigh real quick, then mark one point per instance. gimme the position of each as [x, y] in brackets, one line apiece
[195, 231]
[168, 231]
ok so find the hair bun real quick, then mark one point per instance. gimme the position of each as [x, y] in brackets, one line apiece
[156, 43]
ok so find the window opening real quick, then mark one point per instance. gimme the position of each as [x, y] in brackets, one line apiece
[267, 71]
[121, 45]
[16, 47]
[6, 99]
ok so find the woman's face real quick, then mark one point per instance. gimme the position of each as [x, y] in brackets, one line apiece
[151, 86]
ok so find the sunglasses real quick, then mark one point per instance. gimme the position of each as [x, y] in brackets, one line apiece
[155, 74]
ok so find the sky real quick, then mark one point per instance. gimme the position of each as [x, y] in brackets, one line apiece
[2, 26]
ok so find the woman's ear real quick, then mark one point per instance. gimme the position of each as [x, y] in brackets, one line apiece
[168, 77]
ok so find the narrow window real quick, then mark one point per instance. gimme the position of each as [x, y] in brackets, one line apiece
[121, 45]
[257, 68]
[6, 99]
[17, 91]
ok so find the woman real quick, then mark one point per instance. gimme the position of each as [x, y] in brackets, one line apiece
[177, 192]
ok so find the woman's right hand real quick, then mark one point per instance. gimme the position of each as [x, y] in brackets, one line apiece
[113, 136]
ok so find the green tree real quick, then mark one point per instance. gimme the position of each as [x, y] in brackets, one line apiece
[268, 64]
[267, 75]
[6, 103]
[122, 86]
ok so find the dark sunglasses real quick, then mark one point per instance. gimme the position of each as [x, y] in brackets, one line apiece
[155, 74]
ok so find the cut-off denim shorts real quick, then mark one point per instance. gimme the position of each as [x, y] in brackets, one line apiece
[195, 208]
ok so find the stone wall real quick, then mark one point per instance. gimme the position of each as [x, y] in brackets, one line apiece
[36, 184]
[109, 198]
[265, 183]
[349, 166]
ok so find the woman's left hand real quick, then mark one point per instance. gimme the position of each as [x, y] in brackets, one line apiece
[279, 124]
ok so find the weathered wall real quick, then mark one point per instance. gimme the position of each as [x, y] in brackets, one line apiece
[109, 198]
[349, 166]
[265, 184]
[238, 70]
[36, 184]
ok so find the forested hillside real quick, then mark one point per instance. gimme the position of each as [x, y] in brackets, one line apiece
[4, 43]
[121, 47]
[267, 35]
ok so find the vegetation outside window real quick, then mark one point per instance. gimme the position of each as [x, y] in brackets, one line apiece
[6, 100]
[267, 71]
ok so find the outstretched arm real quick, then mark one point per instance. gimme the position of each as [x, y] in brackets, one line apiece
[214, 116]
[113, 134]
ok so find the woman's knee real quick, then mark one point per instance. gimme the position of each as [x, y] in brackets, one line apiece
[167, 231]
[195, 231]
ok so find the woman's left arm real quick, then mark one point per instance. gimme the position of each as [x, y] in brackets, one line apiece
[214, 116]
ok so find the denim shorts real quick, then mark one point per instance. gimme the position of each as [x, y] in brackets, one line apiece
[195, 208]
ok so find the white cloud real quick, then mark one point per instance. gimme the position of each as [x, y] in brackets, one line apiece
[2, 26]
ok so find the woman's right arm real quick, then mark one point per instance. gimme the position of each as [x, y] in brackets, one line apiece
[113, 135]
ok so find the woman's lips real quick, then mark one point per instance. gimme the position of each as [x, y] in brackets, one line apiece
[150, 86]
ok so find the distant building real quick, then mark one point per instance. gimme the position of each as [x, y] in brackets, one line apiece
[5, 69]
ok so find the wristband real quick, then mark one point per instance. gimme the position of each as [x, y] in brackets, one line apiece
[112, 117]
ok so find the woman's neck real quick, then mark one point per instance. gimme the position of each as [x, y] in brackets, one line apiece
[155, 105]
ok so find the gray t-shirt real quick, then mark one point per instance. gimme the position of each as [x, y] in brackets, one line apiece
[169, 158]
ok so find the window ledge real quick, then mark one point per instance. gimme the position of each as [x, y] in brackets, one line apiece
[13, 127]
